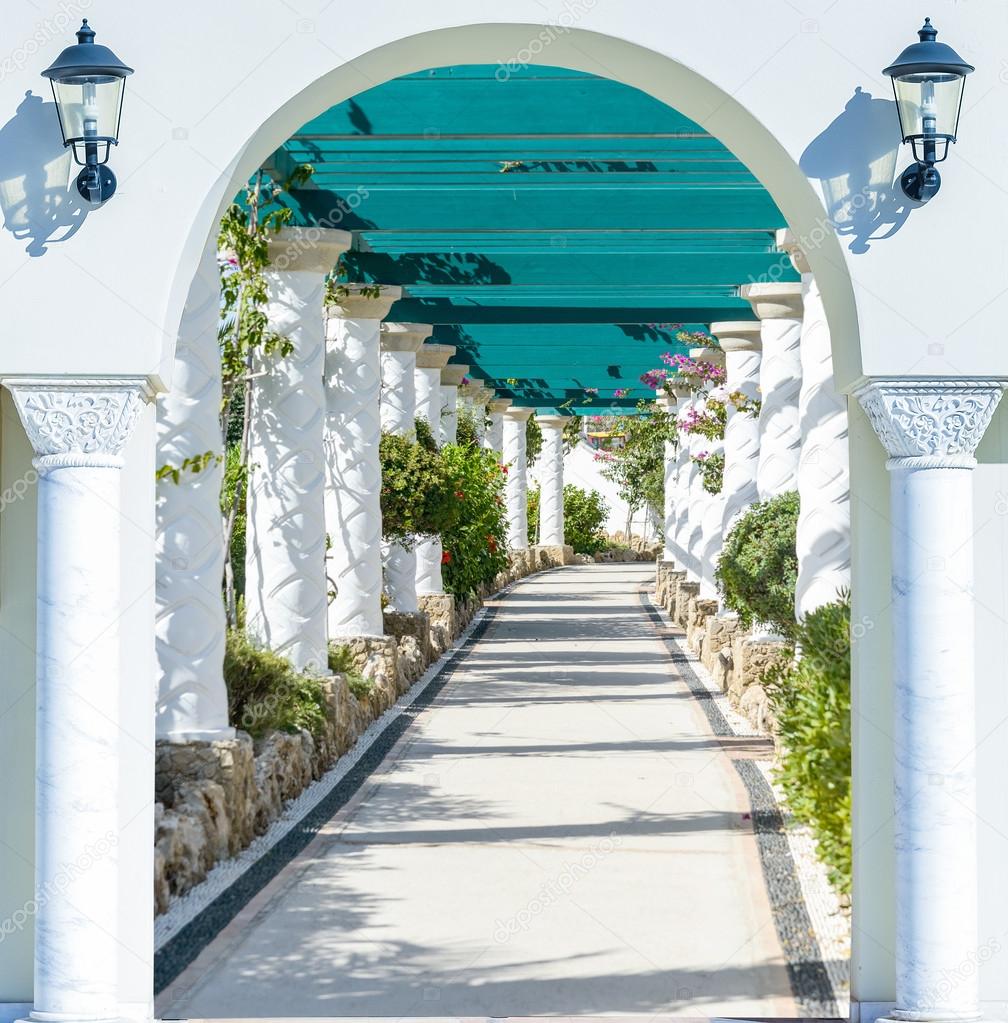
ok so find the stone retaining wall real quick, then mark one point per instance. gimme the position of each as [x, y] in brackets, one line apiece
[737, 660]
[214, 798]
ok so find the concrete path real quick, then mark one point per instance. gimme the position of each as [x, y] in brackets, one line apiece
[560, 833]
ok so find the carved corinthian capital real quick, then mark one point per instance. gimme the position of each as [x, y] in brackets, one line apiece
[933, 422]
[78, 421]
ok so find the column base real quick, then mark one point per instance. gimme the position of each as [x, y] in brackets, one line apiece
[900, 1016]
[552, 555]
[199, 735]
[68, 1017]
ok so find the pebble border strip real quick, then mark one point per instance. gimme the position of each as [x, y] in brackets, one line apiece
[810, 980]
[199, 916]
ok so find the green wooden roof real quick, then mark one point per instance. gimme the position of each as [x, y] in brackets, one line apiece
[553, 225]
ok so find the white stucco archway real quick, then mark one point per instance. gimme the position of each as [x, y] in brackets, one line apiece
[767, 82]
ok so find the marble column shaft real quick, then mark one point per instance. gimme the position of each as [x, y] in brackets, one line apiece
[431, 359]
[516, 490]
[930, 429]
[451, 379]
[494, 439]
[779, 309]
[353, 462]
[824, 517]
[78, 429]
[400, 342]
[551, 496]
[285, 580]
[190, 622]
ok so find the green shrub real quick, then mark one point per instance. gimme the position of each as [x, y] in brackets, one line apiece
[758, 567]
[533, 440]
[811, 701]
[235, 476]
[418, 492]
[266, 693]
[467, 426]
[475, 547]
[341, 660]
[585, 513]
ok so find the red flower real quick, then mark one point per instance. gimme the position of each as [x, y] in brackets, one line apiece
[491, 543]
[460, 495]
[446, 557]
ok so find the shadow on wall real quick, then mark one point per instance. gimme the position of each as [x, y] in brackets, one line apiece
[37, 197]
[854, 159]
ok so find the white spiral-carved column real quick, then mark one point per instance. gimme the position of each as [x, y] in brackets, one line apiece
[551, 461]
[706, 508]
[451, 379]
[494, 439]
[399, 344]
[516, 490]
[353, 462]
[431, 359]
[285, 582]
[779, 308]
[740, 341]
[823, 534]
[190, 623]
[930, 429]
[78, 429]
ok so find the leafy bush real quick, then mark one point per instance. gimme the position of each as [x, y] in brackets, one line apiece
[266, 693]
[711, 470]
[585, 513]
[533, 440]
[418, 492]
[811, 701]
[341, 660]
[235, 477]
[475, 546]
[759, 567]
[638, 467]
[466, 433]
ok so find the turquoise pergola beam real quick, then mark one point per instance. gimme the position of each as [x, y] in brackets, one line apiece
[553, 225]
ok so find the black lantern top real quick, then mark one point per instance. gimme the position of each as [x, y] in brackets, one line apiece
[928, 79]
[86, 60]
[928, 57]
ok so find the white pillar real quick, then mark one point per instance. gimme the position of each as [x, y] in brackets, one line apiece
[285, 583]
[516, 490]
[779, 308]
[494, 439]
[399, 344]
[431, 359]
[823, 536]
[353, 461]
[930, 428]
[675, 503]
[77, 428]
[451, 379]
[551, 499]
[190, 622]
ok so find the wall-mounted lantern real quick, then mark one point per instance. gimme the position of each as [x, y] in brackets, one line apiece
[928, 79]
[88, 81]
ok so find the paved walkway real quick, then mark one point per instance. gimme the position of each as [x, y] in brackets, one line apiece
[559, 833]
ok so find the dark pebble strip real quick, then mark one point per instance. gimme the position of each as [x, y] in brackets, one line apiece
[810, 983]
[179, 951]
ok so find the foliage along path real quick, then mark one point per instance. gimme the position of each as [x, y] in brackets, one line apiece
[558, 833]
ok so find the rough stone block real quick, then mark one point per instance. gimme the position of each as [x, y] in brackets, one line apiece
[440, 611]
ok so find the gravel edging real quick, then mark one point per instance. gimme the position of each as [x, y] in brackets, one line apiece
[803, 905]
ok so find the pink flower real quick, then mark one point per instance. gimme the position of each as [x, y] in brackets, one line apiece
[620, 392]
